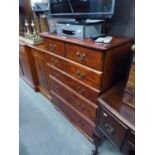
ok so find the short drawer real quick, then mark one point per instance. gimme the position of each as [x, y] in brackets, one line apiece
[81, 88]
[83, 106]
[112, 128]
[54, 46]
[129, 144]
[86, 56]
[72, 114]
[131, 138]
[82, 73]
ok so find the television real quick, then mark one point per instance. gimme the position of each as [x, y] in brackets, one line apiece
[82, 9]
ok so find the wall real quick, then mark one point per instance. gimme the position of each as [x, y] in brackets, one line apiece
[123, 22]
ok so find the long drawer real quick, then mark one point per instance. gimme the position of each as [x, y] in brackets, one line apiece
[81, 88]
[86, 56]
[82, 105]
[85, 74]
[74, 116]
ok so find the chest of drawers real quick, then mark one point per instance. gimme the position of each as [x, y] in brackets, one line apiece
[79, 71]
[73, 73]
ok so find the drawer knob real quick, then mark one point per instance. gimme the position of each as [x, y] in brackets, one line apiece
[52, 46]
[81, 107]
[55, 74]
[81, 56]
[104, 114]
[109, 128]
[81, 124]
[80, 90]
[80, 75]
[54, 61]
[57, 90]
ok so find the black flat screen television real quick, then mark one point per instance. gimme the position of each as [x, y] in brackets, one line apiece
[82, 9]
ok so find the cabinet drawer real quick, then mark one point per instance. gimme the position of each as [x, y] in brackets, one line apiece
[129, 144]
[72, 114]
[84, 74]
[113, 129]
[83, 106]
[87, 92]
[54, 46]
[84, 56]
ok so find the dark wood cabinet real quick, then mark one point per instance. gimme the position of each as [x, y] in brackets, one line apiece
[26, 66]
[116, 114]
[41, 71]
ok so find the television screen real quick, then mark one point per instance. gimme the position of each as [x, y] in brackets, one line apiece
[82, 8]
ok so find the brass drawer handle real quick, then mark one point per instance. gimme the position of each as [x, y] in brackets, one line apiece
[81, 107]
[54, 61]
[81, 123]
[52, 46]
[81, 56]
[70, 114]
[80, 75]
[109, 128]
[55, 74]
[57, 90]
[104, 114]
[80, 90]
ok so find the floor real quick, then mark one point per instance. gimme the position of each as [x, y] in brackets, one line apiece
[44, 131]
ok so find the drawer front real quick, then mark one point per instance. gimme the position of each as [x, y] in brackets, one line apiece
[81, 89]
[54, 46]
[131, 139]
[114, 130]
[84, 56]
[82, 73]
[129, 144]
[86, 108]
[71, 113]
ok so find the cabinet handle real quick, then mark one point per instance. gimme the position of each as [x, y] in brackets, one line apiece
[56, 75]
[69, 113]
[54, 61]
[57, 90]
[81, 107]
[80, 90]
[109, 128]
[80, 75]
[52, 46]
[81, 56]
[81, 124]
[104, 114]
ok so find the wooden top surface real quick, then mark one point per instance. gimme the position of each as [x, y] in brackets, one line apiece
[112, 100]
[89, 42]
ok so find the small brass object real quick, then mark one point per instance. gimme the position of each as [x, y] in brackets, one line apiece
[32, 37]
